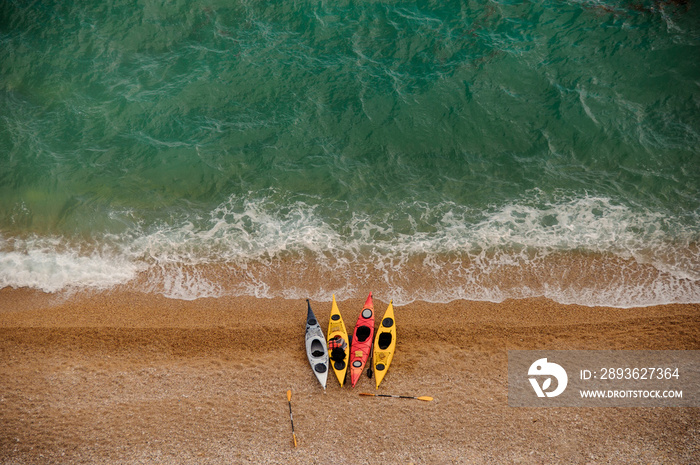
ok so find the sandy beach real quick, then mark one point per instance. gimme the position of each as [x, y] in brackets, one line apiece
[177, 178]
[124, 377]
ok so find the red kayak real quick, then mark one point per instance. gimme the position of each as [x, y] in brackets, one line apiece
[362, 340]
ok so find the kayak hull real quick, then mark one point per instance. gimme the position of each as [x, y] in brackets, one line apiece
[362, 340]
[316, 348]
[384, 345]
[336, 329]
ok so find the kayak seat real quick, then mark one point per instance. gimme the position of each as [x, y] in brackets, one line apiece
[317, 349]
[384, 340]
[363, 333]
[338, 355]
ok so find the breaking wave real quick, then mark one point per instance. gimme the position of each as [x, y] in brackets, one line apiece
[585, 250]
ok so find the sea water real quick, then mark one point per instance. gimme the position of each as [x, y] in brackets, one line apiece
[431, 150]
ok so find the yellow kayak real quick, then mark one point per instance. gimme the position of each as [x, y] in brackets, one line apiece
[384, 345]
[338, 343]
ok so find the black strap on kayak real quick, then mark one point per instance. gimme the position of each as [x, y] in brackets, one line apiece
[369, 362]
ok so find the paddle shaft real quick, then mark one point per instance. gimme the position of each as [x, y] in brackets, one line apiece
[426, 398]
[370, 361]
[398, 397]
[291, 418]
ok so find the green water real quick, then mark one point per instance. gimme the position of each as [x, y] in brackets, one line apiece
[175, 134]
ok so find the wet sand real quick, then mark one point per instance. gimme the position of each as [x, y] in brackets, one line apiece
[125, 377]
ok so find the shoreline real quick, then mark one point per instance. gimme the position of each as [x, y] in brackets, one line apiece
[120, 376]
[572, 277]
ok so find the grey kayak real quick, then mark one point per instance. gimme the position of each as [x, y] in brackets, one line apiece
[316, 348]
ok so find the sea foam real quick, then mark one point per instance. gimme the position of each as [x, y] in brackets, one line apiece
[585, 250]
[51, 265]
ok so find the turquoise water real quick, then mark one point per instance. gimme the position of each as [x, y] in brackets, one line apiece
[423, 150]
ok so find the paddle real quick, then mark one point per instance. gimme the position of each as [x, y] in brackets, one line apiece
[370, 362]
[289, 400]
[425, 398]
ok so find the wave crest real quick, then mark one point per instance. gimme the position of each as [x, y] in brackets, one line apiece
[585, 250]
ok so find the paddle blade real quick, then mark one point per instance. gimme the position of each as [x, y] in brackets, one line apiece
[295, 439]
[366, 394]
[289, 395]
[425, 398]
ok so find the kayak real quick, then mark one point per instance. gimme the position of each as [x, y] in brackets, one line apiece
[362, 340]
[316, 349]
[384, 345]
[337, 344]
